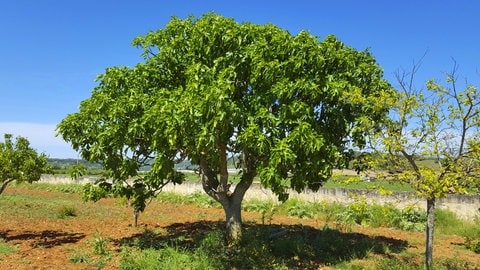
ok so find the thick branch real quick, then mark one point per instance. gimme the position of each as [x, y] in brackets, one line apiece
[209, 179]
[249, 171]
[412, 162]
[222, 154]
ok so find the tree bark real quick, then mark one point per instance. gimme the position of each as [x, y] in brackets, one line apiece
[135, 217]
[233, 215]
[4, 184]
[429, 234]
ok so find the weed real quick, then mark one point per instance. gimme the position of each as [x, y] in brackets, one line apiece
[412, 219]
[166, 258]
[359, 210]
[472, 244]
[66, 211]
[266, 208]
[201, 200]
[393, 264]
[79, 258]
[455, 264]
[100, 246]
[383, 215]
[298, 208]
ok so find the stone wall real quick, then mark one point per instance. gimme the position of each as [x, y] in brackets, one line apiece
[464, 206]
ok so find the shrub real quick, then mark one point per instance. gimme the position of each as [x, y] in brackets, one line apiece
[358, 212]
[413, 220]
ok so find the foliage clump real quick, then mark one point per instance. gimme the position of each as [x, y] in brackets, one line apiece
[19, 162]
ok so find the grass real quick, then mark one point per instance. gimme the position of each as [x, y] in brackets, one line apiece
[6, 248]
[300, 247]
[63, 188]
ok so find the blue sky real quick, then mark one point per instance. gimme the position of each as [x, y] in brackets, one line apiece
[51, 51]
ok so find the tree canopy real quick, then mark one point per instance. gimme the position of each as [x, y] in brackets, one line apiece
[290, 106]
[19, 162]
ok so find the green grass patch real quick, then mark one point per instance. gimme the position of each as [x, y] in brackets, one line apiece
[63, 187]
[198, 198]
[6, 248]
[355, 182]
[262, 247]
[268, 247]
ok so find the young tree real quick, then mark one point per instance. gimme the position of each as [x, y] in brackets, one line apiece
[211, 88]
[441, 123]
[19, 162]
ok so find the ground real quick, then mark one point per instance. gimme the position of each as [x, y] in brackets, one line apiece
[44, 241]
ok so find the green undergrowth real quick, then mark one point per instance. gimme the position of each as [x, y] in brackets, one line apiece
[262, 247]
[97, 253]
[201, 245]
[62, 187]
[344, 217]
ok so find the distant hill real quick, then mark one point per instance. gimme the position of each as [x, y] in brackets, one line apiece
[59, 164]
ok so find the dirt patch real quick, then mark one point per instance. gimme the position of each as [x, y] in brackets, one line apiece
[58, 243]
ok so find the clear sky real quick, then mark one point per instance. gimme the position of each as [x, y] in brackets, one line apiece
[51, 51]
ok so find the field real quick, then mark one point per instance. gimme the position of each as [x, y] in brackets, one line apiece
[50, 227]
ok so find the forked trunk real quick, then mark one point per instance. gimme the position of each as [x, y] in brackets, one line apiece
[217, 187]
[429, 234]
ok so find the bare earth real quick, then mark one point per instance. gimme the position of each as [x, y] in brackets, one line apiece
[49, 243]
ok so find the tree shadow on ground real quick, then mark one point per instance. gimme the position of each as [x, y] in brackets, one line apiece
[264, 246]
[44, 239]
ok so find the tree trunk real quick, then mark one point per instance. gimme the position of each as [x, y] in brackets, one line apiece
[429, 234]
[135, 217]
[233, 215]
[4, 184]
[217, 187]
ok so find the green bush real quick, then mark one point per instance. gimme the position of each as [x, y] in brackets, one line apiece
[410, 219]
[384, 215]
